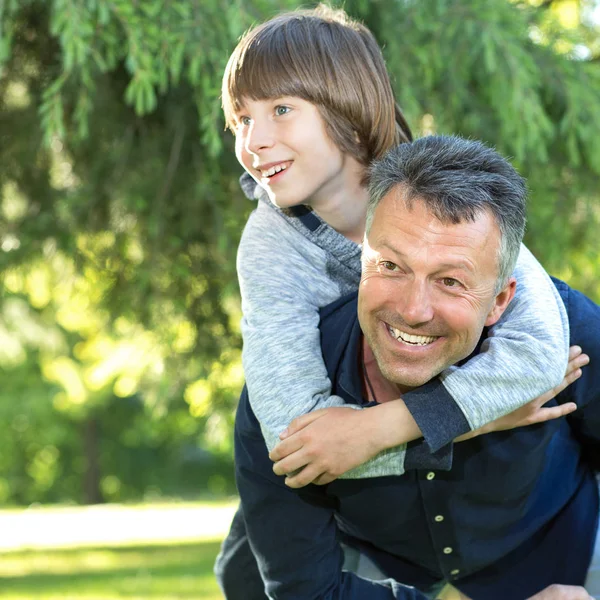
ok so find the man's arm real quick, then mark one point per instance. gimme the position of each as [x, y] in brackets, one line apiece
[584, 319]
[293, 536]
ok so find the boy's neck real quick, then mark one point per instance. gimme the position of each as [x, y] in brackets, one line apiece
[346, 212]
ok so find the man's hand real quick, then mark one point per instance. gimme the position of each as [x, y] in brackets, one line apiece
[562, 592]
[534, 411]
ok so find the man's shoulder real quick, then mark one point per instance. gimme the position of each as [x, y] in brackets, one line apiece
[579, 307]
[340, 309]
[338, 319]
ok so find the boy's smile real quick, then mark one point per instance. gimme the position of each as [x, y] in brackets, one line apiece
[271, 171]
[284, 145]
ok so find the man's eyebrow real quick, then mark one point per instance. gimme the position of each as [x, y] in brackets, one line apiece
[463, 265]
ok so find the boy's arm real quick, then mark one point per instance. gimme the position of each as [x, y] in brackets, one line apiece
[283, 281]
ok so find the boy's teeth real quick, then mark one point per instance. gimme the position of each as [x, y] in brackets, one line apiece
[420, 340]
[270, 172]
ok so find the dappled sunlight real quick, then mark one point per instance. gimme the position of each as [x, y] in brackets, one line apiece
[113, 524]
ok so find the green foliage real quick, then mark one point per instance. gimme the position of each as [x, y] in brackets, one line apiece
[120, 211]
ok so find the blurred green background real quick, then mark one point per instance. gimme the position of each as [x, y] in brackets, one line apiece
[120, 215]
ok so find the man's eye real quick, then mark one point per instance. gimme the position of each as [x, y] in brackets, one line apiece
[388, 265]
[281, 110]
[450, 282]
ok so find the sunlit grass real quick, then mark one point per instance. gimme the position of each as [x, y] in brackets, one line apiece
[110, 552]
[165, 572]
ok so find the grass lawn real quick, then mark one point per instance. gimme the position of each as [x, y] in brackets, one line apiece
[145, 552]
[162, 571]
[148, 552]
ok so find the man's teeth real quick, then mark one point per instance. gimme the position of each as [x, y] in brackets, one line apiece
[270, 172]
[419, 340]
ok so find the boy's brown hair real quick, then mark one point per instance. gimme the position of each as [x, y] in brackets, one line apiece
[325, 57]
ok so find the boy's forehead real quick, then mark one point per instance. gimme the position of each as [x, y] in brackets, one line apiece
[245, 101]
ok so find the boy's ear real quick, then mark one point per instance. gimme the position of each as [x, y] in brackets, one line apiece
[356, 137]
[501, 301]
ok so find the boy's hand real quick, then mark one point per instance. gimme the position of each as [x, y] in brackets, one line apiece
[323, 444]
[331, 441]
[534, 411]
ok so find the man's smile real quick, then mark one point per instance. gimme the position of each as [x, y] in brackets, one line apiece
[403, 341]
[409, 338]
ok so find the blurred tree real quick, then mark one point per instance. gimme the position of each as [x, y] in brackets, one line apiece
[120, 211]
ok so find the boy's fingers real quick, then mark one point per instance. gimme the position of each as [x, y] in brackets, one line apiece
[301, 422]
[580, 360]
[290, 464]
[574, 351]
[285, 448]
[552, 412]
[569, 378]
[304, 477]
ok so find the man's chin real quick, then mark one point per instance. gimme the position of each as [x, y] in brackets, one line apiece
[408, 380]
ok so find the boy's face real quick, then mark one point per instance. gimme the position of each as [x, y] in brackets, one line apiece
[283, 144]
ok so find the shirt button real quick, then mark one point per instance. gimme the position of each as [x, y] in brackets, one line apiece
[455, 572]
[430, 475]
[439, 518]
[447, 550]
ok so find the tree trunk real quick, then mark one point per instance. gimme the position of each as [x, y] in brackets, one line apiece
[91, 448]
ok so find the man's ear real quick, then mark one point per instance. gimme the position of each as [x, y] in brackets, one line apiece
[501, 301]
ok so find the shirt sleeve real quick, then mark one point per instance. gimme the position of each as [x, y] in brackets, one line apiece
[524, 356]
[283, 282]
[294, 535]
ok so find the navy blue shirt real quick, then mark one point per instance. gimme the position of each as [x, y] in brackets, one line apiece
[516, 512]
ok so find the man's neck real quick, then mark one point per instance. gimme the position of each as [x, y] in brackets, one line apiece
[377, 386]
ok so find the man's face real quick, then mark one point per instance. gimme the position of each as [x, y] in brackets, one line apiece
[427, 289]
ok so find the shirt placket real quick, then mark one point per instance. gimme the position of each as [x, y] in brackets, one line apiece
[443, 535]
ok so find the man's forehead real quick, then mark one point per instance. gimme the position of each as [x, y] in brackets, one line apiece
[408, 228]
[400, 209]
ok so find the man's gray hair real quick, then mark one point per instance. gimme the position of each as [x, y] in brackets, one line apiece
[457, 179]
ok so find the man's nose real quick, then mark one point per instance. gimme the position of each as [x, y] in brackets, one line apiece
[260, 136]
[415, 303]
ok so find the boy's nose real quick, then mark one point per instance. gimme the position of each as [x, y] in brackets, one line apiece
[260, 137]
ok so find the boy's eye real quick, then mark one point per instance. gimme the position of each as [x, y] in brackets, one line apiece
[245, 121]
[281, 110]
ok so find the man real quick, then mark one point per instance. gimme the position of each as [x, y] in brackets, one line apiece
[517, 511]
